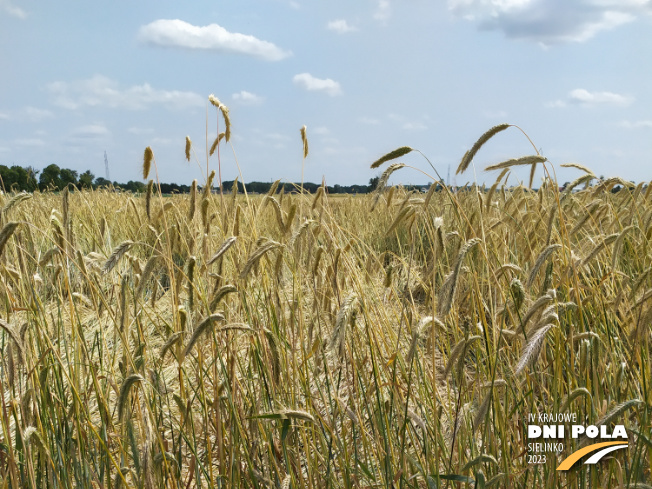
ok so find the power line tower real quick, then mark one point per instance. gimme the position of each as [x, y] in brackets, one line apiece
[106, 167]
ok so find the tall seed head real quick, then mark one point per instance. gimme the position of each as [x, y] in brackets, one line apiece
[147, 161]
[188, 147]
[214, 100]
[304, 139]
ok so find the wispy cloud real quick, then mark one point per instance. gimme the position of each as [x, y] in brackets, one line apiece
[312, 84]
[30, 142]
[383, 11]
[636, 124]
[177, 33]
[247, 98]
[340, 26]
[34, 114]
[30, 114]
[372, 121]
[8, 7]
[584, 97]
[409, 123]
[555, 104]
[550, 21]
[139, 131]
[100, 91]
[414, 126]
[89, 133]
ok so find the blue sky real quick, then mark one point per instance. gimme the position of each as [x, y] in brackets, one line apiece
[79, 78]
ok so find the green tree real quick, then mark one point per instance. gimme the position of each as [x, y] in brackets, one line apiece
[86, 179]
[67, 177]
[50, 177]
[373, 183]
[102, 182]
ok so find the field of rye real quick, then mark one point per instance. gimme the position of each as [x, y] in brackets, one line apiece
[394, 339]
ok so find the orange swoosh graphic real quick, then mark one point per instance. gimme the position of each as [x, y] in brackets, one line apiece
[575, 456]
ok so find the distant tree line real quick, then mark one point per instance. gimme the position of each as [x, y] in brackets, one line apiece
[52, 177]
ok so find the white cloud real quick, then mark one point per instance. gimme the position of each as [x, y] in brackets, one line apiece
[177, 33]
[247, 98]
[100, 91]
[383, 11]
[36, 115]
[550, 21]
[30, 114]
[340, 26]
[12, 10]
[584, 97]
[312, 84]
[369, 120]
[414, 126]
[409, 123]
[636, 124]
[321, 131]
[555, 104]
[89, 133]
[140, 130]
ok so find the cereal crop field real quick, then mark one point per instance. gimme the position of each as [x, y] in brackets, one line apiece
[395, 339]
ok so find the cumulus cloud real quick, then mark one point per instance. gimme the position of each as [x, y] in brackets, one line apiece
[582, 96]
[12, 10]
[100, 91]
[383, 11]
[550, 21]
[213, 37]
[312, 84]
[340, 26]
[247, 98]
